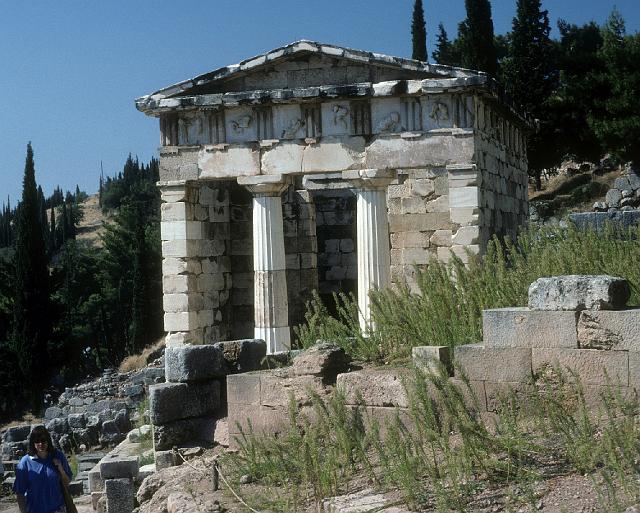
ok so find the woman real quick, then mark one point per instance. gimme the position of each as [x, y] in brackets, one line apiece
[40, 476]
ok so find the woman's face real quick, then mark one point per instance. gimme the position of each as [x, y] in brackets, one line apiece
[41, 444]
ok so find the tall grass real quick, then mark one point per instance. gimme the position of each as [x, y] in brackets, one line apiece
[443, 452]
[447, 310]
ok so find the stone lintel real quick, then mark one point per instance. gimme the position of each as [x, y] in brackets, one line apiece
[369, 178]
[265, 185]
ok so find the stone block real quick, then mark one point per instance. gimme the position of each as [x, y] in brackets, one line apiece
[279, 391]
[178, 211]
[579, 292]
[466, 235]
[594, 367]
[522, 327]
[164, 459]
[472, 391]
[465, 216]
[174, 401]
[498, 393]
[376, 387]
[322, 359]
[511, 364]
[243, 388]
[193, 363]
[95, 498]
[76, 488]
[184, 432]
[419, 222]
[464, 197]
[261, 419]
[120, 495]
[243, 355]
[114, 466]
[96, 482]
[441, 238]
[180, 321]
[432, 358]
[607, 329]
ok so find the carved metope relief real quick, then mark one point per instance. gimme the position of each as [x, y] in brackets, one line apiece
[390, 124]
[293, 127]
[440, 114]
[464, 113]
[340, 113]
[242, 123]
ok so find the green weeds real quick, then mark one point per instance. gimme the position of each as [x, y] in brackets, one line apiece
[446, 308]
[441, 452]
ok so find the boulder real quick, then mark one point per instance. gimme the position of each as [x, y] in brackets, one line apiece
[17, 433]
[579, 292]
[110, 435]
[122, 421]
[77, 420]
[323, 359]
[58, 426]
[180, 502]
[52, 412]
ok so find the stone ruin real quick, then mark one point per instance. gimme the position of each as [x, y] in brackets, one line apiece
[316, 167]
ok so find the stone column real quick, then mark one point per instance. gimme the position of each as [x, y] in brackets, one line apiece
[269, 266]
[374, 259]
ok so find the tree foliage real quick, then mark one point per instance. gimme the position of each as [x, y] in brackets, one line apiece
[419, 33]
[32, 313]
[476, 38]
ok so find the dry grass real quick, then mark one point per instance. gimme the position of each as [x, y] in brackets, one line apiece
[27, 418]
[141, 360]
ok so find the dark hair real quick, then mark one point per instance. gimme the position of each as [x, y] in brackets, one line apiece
[37, 433]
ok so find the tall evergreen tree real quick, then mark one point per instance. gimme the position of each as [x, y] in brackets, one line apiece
[446, 52]
[419, 33]
[530, 76]
[475, 34]
[616, 118]
[32, 322]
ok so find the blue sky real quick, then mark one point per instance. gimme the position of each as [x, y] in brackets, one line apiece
[70, 69]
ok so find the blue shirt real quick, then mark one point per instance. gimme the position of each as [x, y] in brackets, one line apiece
[39, 480]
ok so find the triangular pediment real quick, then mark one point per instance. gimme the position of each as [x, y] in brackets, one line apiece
[308, 64]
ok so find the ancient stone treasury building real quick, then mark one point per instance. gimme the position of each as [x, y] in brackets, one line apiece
[315, 167]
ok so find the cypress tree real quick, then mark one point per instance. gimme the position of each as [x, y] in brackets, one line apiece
[529, 73]
[32, 323]
[476, 38]
[419, 33]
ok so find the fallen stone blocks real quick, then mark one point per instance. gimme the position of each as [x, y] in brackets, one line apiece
[578, 292]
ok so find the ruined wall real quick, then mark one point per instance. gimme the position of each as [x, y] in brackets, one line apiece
[502, 174]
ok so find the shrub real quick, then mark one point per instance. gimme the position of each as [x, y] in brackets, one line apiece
[447, 310]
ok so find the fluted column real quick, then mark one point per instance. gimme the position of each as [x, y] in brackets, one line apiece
[374, 258]
[271, 309]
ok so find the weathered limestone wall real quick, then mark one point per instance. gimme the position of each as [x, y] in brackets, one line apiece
[197, 277]
[419, 221]
[502, 174]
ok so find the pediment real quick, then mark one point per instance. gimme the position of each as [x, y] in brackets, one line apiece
[306, 64]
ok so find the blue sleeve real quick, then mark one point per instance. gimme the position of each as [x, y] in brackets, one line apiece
[21, 484]
[65, 464]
